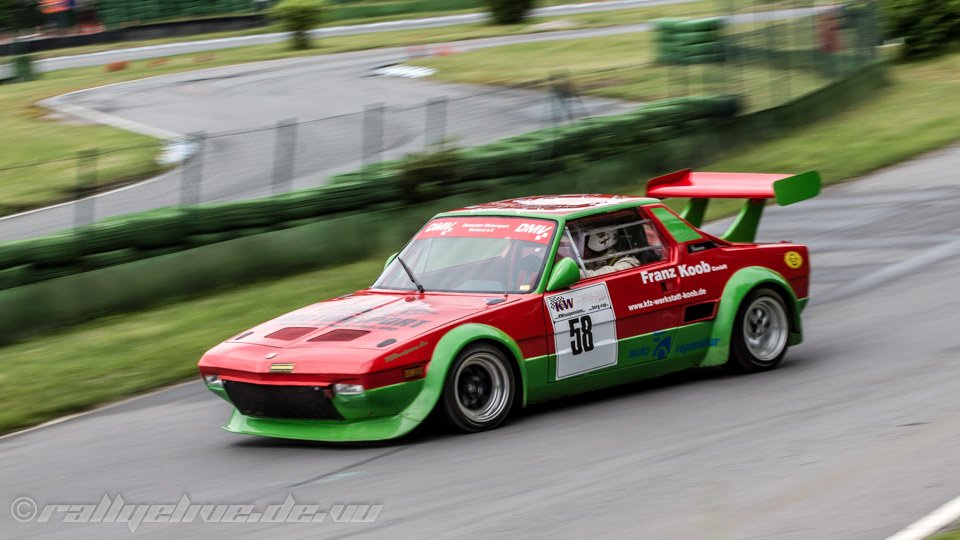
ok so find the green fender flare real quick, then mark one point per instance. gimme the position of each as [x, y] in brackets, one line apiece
[446, 352]
[738, 286]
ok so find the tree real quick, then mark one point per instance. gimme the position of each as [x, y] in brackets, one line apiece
[299, 17]
[6, 15]
[510, 11]
[928, 27]
[19, 14]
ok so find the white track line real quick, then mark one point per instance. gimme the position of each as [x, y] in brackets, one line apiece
[98, 117]
[931, 523]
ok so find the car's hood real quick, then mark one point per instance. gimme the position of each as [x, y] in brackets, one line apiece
[367, 320]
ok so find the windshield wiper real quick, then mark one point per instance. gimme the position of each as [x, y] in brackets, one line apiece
[409, 272]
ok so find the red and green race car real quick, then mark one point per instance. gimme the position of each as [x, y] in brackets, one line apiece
[497, 306]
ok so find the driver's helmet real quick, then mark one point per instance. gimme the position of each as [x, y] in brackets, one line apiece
[601, 241]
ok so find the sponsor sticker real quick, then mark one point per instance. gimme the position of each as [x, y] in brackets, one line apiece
[680, 271]
[530, 230]
[584, 330]
[793, 259]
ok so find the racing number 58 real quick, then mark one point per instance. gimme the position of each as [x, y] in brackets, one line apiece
[581, 330]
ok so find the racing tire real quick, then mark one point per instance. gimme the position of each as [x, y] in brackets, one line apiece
[761, 332]
[479, 391]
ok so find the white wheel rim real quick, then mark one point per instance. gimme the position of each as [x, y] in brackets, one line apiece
[482, 387]
[765, 328]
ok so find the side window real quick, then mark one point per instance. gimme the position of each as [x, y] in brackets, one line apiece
[611, 243]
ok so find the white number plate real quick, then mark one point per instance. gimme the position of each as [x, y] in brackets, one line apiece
[584, 330]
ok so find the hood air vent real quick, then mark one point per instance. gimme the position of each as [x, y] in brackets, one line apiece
[291, 333]
[341, 335]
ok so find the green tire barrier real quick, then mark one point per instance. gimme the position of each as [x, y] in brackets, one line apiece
[684, 42]
[129, 278]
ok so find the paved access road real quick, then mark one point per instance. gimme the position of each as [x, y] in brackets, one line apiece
[854, 437]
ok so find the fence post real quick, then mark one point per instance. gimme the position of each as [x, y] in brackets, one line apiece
[564, 98]
[372, 144]
[873, 31]
[284, 155]
[86, 187]
[776, 82]
[191, 175]
[436, 121]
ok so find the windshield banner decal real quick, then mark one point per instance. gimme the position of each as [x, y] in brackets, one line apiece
[530, 230]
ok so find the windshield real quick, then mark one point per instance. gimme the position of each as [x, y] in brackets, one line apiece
[474, 254]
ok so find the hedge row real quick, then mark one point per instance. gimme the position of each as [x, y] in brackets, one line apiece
[119, 12]
[682, 41]
[128, 238]
[363, 10]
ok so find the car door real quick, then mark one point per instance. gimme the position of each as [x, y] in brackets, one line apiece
[703, 269]
[617, 315]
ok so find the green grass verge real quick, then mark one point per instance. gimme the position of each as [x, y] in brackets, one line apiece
[115, 357]
[118, 356]
[624, 67]
[949, 535]
[903, 120]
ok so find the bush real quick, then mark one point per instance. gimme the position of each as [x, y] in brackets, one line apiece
[7, 19]
[19, 14]
[423, 176]
[509, 11]
[299, 17]
[928, 27]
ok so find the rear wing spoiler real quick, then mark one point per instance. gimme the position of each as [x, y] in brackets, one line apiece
[700, 187]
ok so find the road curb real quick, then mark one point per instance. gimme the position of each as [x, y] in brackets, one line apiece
[931, 523]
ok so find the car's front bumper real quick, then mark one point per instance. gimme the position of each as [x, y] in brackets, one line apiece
[374, 429]
[376, 414]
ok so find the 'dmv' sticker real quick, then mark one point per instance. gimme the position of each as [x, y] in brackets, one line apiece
[584, 330]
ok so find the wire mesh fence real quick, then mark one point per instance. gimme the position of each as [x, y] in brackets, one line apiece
[765, 53]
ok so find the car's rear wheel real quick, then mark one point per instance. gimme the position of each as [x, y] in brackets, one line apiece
[480, 389]
[760, 332]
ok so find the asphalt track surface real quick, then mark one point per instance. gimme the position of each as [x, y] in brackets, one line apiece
[335, 88]
[853, 437]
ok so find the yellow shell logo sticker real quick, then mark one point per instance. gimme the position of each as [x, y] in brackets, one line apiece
[793, 259]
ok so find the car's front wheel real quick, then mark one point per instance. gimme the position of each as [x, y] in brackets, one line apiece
[480, 389]
[760, 333]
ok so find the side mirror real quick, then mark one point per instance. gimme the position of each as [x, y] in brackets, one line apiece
[390, 260]
[565, 273]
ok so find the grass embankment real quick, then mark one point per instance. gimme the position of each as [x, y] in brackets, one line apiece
[624, 67]
[29, 135]
[115, 357]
